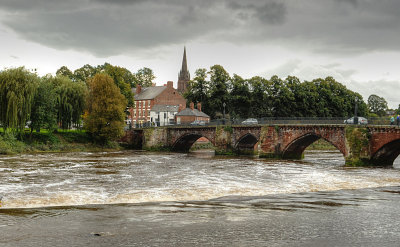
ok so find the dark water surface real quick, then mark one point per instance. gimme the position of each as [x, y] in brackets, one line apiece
[152, 199]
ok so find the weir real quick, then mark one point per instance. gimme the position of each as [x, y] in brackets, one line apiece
[360, 145]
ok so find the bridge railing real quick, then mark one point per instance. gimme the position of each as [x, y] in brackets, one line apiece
[266, 121]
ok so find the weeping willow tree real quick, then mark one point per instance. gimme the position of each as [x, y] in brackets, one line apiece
[17, 89]
[70, 101]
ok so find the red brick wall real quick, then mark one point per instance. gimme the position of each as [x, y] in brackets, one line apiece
[382, 136]
[170, 96]
[189, 119]
[186, 119]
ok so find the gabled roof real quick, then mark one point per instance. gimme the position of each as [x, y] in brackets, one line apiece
[165, 108]
[190, 112]
[149, 92]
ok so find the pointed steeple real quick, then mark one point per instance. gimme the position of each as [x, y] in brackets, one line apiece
[184, 76]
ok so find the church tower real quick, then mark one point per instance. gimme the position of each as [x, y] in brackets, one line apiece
[183, 76]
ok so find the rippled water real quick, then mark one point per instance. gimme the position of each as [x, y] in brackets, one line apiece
[162, 199]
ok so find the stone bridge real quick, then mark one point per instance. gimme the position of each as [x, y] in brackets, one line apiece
[360, 145]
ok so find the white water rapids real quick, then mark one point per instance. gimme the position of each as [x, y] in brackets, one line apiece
[64, 179]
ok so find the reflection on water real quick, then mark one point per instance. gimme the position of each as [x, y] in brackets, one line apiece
[151, 199]
[396, 163]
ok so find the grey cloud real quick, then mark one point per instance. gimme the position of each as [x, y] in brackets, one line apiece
[382, 88]
[119, 2]
[351, 2]
[106, 27]
[296, 67]
[288, 68]
[270, 12]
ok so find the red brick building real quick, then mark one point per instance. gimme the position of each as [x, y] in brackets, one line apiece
[189, 115]
[146, 98]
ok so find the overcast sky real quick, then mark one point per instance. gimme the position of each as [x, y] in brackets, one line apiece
[355, 41]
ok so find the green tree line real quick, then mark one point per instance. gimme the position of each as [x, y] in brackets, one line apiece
[276, 97]
[101, 94]
[63, 100]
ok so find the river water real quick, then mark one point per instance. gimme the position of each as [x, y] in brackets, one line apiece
[132, 198]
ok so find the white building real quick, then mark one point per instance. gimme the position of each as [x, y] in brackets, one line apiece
[162, 115]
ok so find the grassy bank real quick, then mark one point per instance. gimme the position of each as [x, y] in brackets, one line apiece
[61, 141]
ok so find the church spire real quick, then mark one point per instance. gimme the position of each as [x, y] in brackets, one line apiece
[184, 76]
[184, 62]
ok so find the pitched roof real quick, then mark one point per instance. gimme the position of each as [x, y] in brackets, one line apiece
[190, 112]
[165, 108]
[149, 92]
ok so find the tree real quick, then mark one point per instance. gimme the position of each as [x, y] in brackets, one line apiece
[239, 98]
[17, 90]
[105, 113]
[44, 108]
[198, 88]
[71, 98]
[123, 78]
[261, 104]
[283, 98]
[145, 77]
[218, 92]
[84, 73]
[64, 71]
[377, 105]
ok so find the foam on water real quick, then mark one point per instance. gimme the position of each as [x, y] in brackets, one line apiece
[129, 177]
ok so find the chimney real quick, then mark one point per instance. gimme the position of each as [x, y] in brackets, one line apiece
[153, 84]
[138, 89]
[199, 106]
[192, 105]
[170, 84]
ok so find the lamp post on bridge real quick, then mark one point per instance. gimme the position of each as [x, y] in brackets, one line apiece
[167, 115]
[223, 104]
[355, 110]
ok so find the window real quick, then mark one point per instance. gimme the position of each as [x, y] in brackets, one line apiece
[165, 115]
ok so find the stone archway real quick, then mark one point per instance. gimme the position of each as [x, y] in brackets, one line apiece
[185, 142]
[295, 149]
[387, 154]
[246, 144]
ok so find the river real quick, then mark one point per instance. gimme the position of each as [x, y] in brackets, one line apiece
[133, 198]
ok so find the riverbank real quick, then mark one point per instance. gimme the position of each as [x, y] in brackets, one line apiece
[60, 141]
[78, 141]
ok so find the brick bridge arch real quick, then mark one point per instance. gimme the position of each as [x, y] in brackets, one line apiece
[385, 145]
[295, 139]
[245, 138]
[182, 139]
